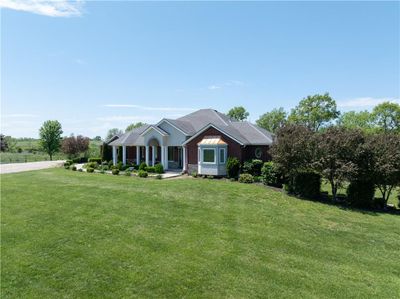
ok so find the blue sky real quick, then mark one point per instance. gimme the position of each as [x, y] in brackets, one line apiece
[97, 65]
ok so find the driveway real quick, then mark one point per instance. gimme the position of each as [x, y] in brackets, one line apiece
[19, 167]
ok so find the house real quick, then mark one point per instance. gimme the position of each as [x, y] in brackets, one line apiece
[200, 141]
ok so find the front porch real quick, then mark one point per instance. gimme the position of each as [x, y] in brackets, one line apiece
[171, 157]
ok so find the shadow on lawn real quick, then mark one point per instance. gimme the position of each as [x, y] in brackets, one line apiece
[342, 204]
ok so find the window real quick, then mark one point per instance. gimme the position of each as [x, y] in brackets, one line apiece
[209, 155]
[221, 156]
[170, 153]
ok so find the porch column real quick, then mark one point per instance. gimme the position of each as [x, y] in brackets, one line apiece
[163, 156]
[137, 155]
[184, 158]
[153, 155]
[147, 155]
[114, 154]
[124, 154]
[166, 157]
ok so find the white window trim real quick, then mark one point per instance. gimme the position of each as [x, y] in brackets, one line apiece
[224, 155]
[215, 155]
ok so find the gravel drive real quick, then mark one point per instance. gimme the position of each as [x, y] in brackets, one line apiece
[19, 167]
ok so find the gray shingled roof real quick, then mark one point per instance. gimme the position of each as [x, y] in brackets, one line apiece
[245, 132]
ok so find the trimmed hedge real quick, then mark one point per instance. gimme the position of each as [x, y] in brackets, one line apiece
[150, 169]
[142, 166]
[305, 184]
[90, 169]
[361, 193]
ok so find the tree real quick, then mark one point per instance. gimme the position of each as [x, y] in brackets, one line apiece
[238, 113]
[133, 126]
[73, 146]
[357, 120]
[273, 120]
[112, 132]
[3, 143]
[50, 137]
[386, 117]
[386, 167]
[97, 138]
[315, 111]
[335, 149]
[293, 150]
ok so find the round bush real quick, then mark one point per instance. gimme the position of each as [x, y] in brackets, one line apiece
[127, 173]
[150, 169]
[143, 174]
[115, 171]
[66, 166]
[246, 178]
[90, 169]
[158, 168]
[305, 184]
[73, 168]
[270, 175]
[232, 167]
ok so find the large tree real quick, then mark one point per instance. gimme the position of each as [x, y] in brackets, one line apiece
[357, 120]
[112, 132]
[315, 111]
[238, 113]
[50, 137]
[273, 120]
[294, 149]
[385, 149]
[3, 143]
[134, 126]
[73, 146]
[386, 117]
[335, 149]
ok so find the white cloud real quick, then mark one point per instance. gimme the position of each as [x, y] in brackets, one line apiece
[214, 87]
[365, 102]
[225, 84]
[51, 8]
[148, 108]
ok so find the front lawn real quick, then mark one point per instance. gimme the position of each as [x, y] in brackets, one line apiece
[80, 235]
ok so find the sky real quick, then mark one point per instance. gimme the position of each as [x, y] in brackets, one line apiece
[96, 65]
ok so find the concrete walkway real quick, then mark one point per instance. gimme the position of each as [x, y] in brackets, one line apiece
[19, 167]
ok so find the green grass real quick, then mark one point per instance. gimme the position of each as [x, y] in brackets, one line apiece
[77, 235]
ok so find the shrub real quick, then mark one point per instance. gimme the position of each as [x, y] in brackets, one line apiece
[127, 173]
[270, 175]
[143, 174]
[305, 184]
[80, 160]
[159, 168]
[150, 169]
[256, 167]
[67, 163]
[66, 166]
[120, 165]
[124, 167]
[361, 193]
[110, 163]
[247, 167]
[73, 168]
[97, 160]
[246, 178]
[105, 167]
[158, 177]
[80, 169]
[398, 197]
[257, 179]
[232, 167]
[210, 177]
[93, 165]
[194, 174]
[90, 169]
[115, 171]
[102, 171]
[142, 166]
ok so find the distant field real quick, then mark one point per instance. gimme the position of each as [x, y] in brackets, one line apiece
[78, 235]
[31, 152]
